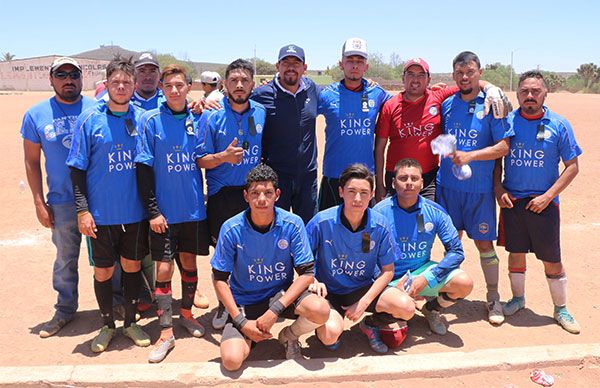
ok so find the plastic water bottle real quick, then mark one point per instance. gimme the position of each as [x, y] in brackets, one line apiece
[408, 282]
[22, 187]
[462, 172]
[443, 145]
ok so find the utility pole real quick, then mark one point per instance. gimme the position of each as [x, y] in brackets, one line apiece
[512, 52]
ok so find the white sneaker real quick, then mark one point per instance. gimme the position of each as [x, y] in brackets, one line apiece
[495, 314]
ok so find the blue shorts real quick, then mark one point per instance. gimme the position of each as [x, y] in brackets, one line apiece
[430, 291]
[474, 213]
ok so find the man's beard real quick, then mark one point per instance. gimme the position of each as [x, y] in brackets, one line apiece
[69, 96]
[466, 91]
[289, 81]
[238, 100]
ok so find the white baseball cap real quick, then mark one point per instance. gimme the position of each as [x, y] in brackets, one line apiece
[355, 46]
[210, 77]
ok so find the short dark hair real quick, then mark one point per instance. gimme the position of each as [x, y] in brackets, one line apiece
[262, 173]
[240, 64]
[405, 163]
[119, 63]
[532, 74]
[175, 69]
[464, 58]
[357, 171]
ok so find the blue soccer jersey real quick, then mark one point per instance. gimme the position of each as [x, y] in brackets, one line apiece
[148, 104]
[219, 128]
[168, 143]
[473, 131]
[415, 232]
[345, 260]
[531, 166]
[104, 147]
[350, 119]
[261, 264]
[50, 124]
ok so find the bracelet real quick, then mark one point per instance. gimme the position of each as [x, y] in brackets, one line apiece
[239, 321]
[277, 307]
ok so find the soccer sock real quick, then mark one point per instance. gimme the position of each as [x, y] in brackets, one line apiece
[490, 266]
[132, 284]
[442, 301]
[558, 289]
[164, 300]
[189, 283]
[103, 291]
[517, 281]
[301, 326]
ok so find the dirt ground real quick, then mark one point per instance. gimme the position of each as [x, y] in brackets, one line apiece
[27, 256]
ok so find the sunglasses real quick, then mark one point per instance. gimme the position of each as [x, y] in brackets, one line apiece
[75, 74]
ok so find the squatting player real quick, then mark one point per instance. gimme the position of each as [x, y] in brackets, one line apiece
[529, 193]
[171, 188]
[253, 270]
[109, 209]
[350, 108]
[480, 139]
[231, 147]
[416, 221]
[354, 252]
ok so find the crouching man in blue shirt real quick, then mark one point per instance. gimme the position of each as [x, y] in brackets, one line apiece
[354, 252]
[415, 223]
[253, 273]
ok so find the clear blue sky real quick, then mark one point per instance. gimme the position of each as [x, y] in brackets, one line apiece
[556, 35]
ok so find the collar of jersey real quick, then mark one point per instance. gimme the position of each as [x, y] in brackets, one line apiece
[417, 206]
[146, 99]
[364, 224]
[227, 106]
[276, 222]
[166, 110]
[103, 108]
[301, 88]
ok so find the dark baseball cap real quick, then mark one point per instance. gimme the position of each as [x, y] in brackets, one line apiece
[146, 59]
[291, 50]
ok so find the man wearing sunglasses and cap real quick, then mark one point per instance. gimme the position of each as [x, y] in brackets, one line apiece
[48, 127]
[231, 148]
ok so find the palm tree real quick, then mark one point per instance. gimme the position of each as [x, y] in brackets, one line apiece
[7, 57]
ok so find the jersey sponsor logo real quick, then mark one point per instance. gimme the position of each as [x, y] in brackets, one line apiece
[120, 159]
[264, 273]
[413, 249]
[250, 157]
[484, 228]
[49, 132]
[433, 110]
[464, 137]
[351, 126]
[180, 161]
[410, 130]
[282, 244]
[344, 266]
[526, 157]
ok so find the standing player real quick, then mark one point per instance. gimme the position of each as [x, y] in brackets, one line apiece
[411, 120]
[289, 138]
[172, 190]
[480, 139]
[108, 206]
[48, 127]
[354, 252]
[147, 95]
[231, 148]
[253, 271]
[350, 108]
[416, 221]
[529, 193]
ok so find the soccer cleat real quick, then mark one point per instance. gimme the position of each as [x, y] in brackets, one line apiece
[220, 318]
[566, 320]
[434, 319]
[514, 304]
[495, 315]
[374, 337]
[100, 343]
[137, 335]
[161, 349]
[192, 326]
[53, 326]
[291, 345]
[200, 300]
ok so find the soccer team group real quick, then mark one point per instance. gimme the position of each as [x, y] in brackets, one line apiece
[127, 171]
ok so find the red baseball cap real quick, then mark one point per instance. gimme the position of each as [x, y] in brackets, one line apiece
[418, 62]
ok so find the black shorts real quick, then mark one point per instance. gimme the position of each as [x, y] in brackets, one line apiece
[189, 237]
[223, 205]
[113, 241]
[428, 190]
[338, 301]
[254, 311]
[526, 231]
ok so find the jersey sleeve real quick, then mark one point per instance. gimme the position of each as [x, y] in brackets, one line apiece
[206, 144]
[299, 246]
[312, 230]
[224, 255]
[387, 249]
[81, 144]
[322, 102]
[567, 145]
[384, 121]
[454, 251]
[500, 128]
[144, 147]
[29, 130]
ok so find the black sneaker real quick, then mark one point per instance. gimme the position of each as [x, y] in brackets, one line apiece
[53, 326]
